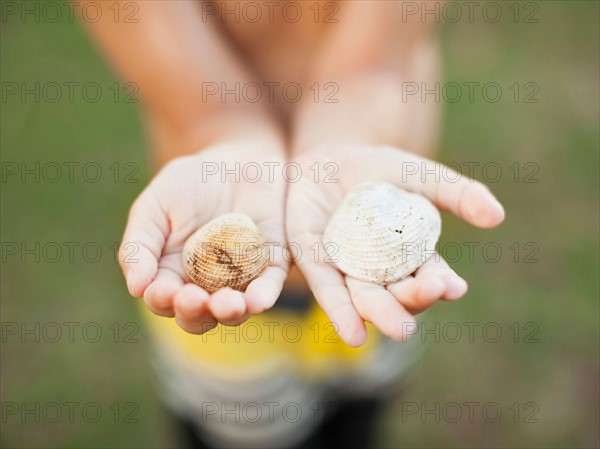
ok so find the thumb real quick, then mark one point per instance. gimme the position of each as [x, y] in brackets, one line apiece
[145, 236]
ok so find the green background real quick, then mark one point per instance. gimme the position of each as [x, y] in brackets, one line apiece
[550, 289]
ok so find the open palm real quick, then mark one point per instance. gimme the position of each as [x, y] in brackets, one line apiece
[187, 193]
[327, 176]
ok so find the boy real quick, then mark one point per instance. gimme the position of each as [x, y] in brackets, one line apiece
[195, 63]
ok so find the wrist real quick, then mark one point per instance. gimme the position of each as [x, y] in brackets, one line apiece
[171, 139]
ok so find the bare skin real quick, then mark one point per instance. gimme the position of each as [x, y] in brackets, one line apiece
[368, 133]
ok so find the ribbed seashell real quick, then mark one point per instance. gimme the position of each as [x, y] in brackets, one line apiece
[381, 233]
[226, 252]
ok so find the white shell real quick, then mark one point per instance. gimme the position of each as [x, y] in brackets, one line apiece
[226, 252]
[381, 233]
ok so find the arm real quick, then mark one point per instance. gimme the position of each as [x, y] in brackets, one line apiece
[370, 54]
[372, 47]
[171, 53]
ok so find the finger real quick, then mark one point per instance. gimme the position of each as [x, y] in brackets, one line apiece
[159, 295]
[469, 200]
[454, 286]
[449, 190]
[434, 280]
[191, 310]
[262, 292]
[145, 235]
[377, 305]
[417, 296]
[436, 267]
[236, 321]
[227, 305]
[329, 288]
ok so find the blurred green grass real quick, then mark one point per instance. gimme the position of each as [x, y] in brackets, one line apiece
[559, 214]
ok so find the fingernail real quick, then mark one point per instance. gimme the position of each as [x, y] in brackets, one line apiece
[455, 287]
[484, 209]
[130, 281]
[493, 214]
[498, 210]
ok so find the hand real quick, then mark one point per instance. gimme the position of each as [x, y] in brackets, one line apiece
[347, 301]
[176, 203]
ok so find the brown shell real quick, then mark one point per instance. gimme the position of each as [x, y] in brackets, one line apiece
[226, 252]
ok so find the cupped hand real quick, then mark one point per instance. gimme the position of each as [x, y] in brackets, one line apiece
[328, 174]
[187, 193]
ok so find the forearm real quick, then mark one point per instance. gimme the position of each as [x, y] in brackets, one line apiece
[373, 67]
[177, 60]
